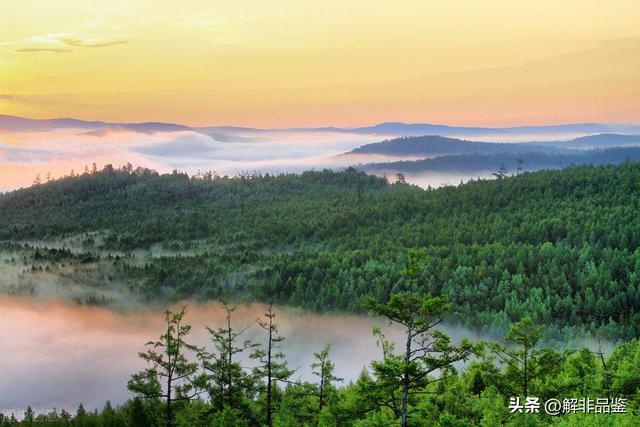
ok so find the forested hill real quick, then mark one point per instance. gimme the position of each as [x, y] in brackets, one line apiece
[434, 145]
[530, 161]
[561, 246]
[137, 208]
[602, 140]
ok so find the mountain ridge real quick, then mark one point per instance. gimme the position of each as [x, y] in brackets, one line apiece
[17, 123]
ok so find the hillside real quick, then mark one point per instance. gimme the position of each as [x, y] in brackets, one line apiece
[602, 140]
[20, 124]
[481, 163]
[418, 129]
[561, 246]
[433, 145]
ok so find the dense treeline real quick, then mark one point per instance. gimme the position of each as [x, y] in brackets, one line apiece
[434, 145]
[140, 207]
[419, 383]
[559, 246]
[531, 161]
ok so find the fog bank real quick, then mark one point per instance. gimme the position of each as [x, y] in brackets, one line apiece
[57, 354]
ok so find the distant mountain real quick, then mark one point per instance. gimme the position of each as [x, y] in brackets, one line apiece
[388, 129]
[603, 140]
[19, 124]
[434, 145]
[417, 129]
[471, 164]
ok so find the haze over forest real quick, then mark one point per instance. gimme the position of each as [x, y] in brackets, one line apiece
[319, 213]
[54, 148]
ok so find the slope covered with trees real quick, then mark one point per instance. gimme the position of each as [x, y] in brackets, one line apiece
[601, 140]
[434, 145]
[526, 160]
[559, 246]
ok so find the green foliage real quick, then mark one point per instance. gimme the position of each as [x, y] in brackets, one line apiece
[451, 399]
[324, 368]
[507, 162]
[228, 385]
[426, 350]
[272, 365]
[554, 248]
[561, 247]
[171, 377]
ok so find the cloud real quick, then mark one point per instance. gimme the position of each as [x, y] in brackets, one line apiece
[66, 39]
[83, 43]
[5, 43]
[23, 154]
[42, 49]
[189, 144]
[6, 97]
[28, 155]
[50, 38]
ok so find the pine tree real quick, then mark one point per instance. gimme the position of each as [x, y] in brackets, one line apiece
[426, 348]
[324, 369]
[272, 366]
[227, 382]
[524, 361]
[171, 377]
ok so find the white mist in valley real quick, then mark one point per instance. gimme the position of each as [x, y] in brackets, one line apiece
[23, 155]
[59, 354]
[54, 153]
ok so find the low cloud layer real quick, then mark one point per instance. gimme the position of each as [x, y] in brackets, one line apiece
[63, 354]
[227, 151]
[25, 154]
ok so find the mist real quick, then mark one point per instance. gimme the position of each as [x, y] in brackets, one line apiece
[59, 354]
[23, 155]
[434, 179]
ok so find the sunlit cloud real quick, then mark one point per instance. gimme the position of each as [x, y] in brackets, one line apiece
[82, 43]
[50, 38]
[41, 49]
[66, 39]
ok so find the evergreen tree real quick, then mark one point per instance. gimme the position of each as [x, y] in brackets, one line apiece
[324, 369]
[171, 377]
[525, 361]
[272, 365]
[228, 385]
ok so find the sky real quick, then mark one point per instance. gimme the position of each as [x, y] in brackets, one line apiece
[284, 63]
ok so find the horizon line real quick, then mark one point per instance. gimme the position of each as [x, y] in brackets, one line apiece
[320, 127]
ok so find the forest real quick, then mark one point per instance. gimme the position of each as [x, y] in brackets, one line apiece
[535, 259]
[429, 380]
[435, 145]
[524, 160]
[559, 246]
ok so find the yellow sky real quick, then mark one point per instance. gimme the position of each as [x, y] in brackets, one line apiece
[322, 62]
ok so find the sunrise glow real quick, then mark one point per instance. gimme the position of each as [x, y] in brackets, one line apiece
[312, 63]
